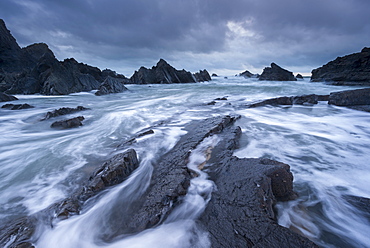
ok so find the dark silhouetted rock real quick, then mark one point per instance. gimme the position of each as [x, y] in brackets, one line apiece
[291, 100]
[221, 98]
[63, 111]
[246, 74]
[214, 75]
[70, 123]
[162, 73]
[276, 73]
[299, 76]
[347, 70]
[202, 76]
[7, 98]
[17, 106]
[34, 69]
[111, 85]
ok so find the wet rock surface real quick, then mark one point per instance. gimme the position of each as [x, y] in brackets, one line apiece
[17, 106]
[63, 111]
[350, 97]
[291, 100]
[70, 123]
[240, 213]
[347, 70]
[276, 73]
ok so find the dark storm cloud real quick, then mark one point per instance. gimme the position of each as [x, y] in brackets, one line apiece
[216, 34]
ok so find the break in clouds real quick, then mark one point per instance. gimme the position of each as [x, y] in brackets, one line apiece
[219, 35]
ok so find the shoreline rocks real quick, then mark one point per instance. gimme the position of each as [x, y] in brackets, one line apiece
[291, 100]
[7, 98]
[351, 69]
[63, 111]
[17, 106]
[70, 123]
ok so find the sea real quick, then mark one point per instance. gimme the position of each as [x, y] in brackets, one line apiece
[326, 146]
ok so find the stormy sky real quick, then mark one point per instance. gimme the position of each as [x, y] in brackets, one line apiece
[222, 36]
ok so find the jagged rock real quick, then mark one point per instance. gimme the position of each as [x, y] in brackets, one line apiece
[17, 106]
[347, 70]
[202, 76]
[162, 73]
[299, 76]
[70, 123]
[276, 73]
[34, 69]
[111, 85]
[240, 212]
[7, 98]
[18, 233]
[291, 100]
[63, 111]
[246, 74]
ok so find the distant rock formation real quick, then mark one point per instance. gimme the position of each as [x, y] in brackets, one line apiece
[246, 74]
[202, 76]
[214, 75]
[276, 73]
[34, 69]
[299, 76]
[347, 70]
[163, 73]
[112, 85]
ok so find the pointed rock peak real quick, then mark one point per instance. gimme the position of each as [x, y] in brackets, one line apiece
[273, 65]
[162, 62]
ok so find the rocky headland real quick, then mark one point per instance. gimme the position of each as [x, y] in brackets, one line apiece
[353, 69]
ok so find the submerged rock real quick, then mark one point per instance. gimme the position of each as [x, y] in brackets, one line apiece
[63, 111]
[348, 70]
[17, 106]
[7, 98]
[291, 100]
[276, 73]
[70, 123]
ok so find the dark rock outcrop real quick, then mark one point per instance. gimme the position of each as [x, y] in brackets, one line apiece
[355, 99]
[276, 73]
[162, 73]
[17, 106]
[291, 100]
[112, 85]
[347, 70]
[19, 233]
[202, 76]
[70, 123]
[34, 69]
[240, 213]
[246, 74]
[214, 75]
[7, 98]
[63, 111]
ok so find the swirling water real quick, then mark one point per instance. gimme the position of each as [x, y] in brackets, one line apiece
[326, 146]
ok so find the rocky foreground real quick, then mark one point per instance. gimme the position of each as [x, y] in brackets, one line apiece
[240, 213]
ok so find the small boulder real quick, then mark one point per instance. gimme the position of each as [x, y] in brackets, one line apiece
[214, 75]
[17, 106]
[63, 111]
[70, 123]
